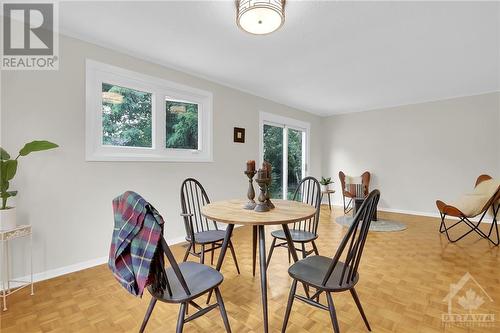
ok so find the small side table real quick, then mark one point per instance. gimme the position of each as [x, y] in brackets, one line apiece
[328, 192]
[5, 237]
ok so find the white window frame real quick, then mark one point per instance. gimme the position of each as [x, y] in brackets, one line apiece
[286, 123]
[98, 73]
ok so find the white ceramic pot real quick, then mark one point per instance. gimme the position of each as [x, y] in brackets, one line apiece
[325, 188]
[8, 218]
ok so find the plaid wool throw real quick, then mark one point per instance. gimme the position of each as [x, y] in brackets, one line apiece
[134, 256]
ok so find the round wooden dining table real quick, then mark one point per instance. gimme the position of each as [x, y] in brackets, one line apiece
[231, 212]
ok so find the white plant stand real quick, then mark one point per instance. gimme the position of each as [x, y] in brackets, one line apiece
[5, 237]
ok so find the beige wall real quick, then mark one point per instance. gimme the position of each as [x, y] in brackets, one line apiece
[417, 153]
[68, 200]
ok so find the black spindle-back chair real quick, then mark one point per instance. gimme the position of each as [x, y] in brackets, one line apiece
[308, 191]
[334, 275]
[185, 282]
[199, 230]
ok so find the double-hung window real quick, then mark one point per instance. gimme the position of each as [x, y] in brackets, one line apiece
[135, 117]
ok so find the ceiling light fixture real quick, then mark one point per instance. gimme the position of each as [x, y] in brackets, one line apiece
[260, 17]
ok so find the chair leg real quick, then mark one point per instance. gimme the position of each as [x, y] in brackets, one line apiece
[254, 248]
[291, 297]
[315, 248]
[187, 252]
[441, 230]
[222, 309]
[273, 244]
[212, 254]
[333, 315]
[360, 308]
[151, 306]
[202, 256]
[289, 256]
[180, 320]
[304, 253]
[263, 275]
[494, 224]
[467, 222]
[231, 247]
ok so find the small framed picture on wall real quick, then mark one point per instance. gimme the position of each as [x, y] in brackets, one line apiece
[239, 135]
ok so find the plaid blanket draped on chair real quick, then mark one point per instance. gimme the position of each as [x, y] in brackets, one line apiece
[135, 253]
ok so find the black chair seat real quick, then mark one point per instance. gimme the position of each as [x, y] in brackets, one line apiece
[312, 270]
[299, 236]
[207, 237]
[199, 279]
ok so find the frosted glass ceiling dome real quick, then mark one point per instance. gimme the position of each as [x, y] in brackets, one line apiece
[260, 17]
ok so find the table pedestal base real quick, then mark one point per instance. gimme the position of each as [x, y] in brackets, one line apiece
[260, 236]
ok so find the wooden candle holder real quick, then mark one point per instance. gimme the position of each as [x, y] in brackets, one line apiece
[251, 192]
[262, 205]
[268, 195]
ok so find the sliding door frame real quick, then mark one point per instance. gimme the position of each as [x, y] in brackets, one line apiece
[286, 123]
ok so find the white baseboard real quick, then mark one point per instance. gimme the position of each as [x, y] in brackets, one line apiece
[418, 213]
[52, 273]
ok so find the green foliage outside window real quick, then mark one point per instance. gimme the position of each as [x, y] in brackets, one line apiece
[126, 120]
[294, 161]
[273, 153]
[182, 125]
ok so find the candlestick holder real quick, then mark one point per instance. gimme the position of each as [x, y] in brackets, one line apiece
[268, 195]
[251, 192]
[262, 204]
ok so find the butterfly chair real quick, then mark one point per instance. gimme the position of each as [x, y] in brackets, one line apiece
[199, 230]
[486, 197]
[333, 275]
[353, 188]
[308, 191]
[185, 282]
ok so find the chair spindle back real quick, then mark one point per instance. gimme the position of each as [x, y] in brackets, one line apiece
[308, 191]
[354, 240]
[193, 197]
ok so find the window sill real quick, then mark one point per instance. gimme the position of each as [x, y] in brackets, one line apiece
[184, 158]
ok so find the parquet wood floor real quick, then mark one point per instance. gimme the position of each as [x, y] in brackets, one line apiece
[404, 278]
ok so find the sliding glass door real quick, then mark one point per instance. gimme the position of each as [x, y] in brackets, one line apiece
[296, 166]
[284, 147]
[273, 153]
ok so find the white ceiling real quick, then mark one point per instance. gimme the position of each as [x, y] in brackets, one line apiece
[329, 57]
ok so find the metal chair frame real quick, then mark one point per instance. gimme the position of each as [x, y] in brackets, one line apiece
[310, 188]
[474, 226]
[352, 244]
[493, 203]
[350, 205]
[193, 197]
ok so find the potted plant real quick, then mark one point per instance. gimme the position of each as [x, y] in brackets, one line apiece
[325, 183]
[8, 169]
